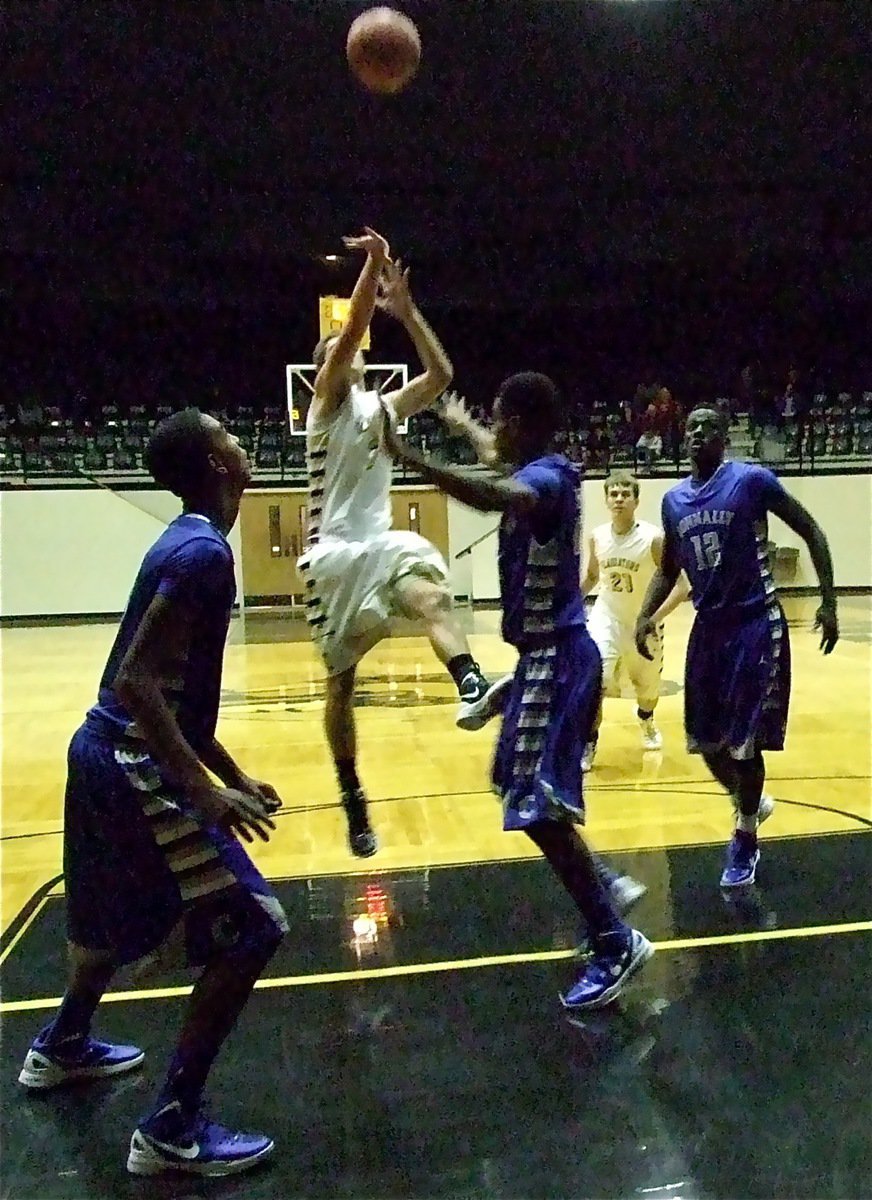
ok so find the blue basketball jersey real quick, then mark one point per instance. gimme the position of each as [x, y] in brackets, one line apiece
[539, 556]
[719, 527]
[192, 562]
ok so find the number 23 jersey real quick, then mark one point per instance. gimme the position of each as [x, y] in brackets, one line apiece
[719, 530]
[626, 567]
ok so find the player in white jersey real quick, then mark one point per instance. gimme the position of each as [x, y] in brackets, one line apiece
[359, 571]
[623, 555]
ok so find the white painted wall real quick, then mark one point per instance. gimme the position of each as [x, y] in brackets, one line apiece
[842, 504]
[77, 551]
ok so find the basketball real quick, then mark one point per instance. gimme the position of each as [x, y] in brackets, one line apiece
[383, 50]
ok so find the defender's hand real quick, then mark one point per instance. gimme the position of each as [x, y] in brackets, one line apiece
[234, 809]
[827, 621]
[263, 791]
[645, 628]
[453, 412]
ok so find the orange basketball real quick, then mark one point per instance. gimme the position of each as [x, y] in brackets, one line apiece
[383, 50]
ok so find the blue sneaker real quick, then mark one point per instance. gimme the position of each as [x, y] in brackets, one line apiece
[607, 974]
[169, 1141]
[743, 855]
[50, 1066]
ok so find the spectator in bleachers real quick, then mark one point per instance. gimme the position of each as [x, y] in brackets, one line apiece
[624, 432]
[644, 397]
[667, 423]
[745, 389]
[597, 448]
[658, 428]
[650, 443]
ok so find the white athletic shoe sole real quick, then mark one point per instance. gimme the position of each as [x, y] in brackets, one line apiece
[40, 1072]
[144, 1159]
[476, 714]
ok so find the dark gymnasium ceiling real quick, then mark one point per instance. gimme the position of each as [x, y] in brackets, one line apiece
[215, 149]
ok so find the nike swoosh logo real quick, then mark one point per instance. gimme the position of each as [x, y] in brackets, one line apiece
[179, 1151]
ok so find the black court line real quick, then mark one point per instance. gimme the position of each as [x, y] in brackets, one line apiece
[652, 786]
[24, 914]
[361, 869]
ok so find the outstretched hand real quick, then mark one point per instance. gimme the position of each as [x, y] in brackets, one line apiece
[453, 412]
[827, 621]
[263, 791]
[371, 243]
[393, 295]
[245, 813]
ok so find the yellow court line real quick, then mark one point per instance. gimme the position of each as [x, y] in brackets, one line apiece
[461, 964]
[23, 930]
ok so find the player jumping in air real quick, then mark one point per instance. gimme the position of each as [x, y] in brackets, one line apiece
[359, 570]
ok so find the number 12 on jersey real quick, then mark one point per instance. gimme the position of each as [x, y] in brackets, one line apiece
[707, 549]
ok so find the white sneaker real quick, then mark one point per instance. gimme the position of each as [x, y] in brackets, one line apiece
[652, 739]
[480, 705]
[588, 756]
[764, 812]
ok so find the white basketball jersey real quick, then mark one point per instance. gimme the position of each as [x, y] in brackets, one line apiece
[349, 476]
[626, 567]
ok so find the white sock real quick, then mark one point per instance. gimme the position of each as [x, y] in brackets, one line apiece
[747, 823]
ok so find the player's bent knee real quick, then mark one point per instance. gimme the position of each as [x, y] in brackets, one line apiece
[261, 934]
[423, 598]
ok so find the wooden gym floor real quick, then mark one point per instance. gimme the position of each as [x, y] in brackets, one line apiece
[398, 1061]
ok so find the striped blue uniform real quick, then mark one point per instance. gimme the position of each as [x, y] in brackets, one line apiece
[138, 862]
[553, 700]
[737, 674]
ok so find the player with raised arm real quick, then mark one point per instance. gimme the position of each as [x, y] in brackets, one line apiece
[555, 691]
[737, 674]
[359, 570]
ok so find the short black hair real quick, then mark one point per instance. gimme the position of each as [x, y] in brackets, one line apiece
[723, 417]
[533, 398]
[177, 454]
[319, 354]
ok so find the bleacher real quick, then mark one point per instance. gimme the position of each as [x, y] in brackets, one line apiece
[48, 442]
[836, 430]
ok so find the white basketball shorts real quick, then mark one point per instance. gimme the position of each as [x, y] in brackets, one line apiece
[351, 590]
[622, 662]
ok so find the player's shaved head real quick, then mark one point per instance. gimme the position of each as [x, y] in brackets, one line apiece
[177, 454]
